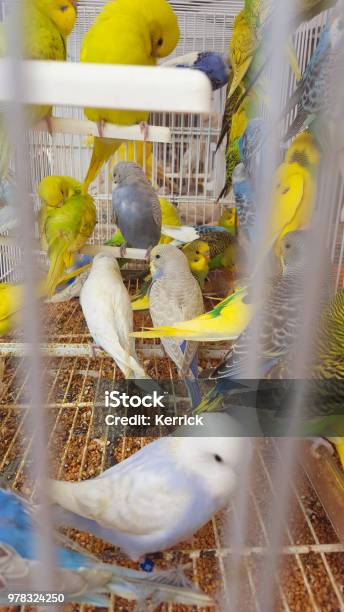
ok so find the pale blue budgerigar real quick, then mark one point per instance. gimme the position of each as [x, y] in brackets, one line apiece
[216, 66]
[244, 200]
[81, 578]
[175, 296]
[162, 494]
[136, 207]
[281, 313]
[314, 93]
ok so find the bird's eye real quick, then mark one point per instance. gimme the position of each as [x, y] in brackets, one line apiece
[218, 458]
[160, 42]
[63, 7]
[197, 252]
[287, 246]
[157, 256]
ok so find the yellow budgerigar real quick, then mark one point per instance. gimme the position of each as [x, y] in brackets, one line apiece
[46, 25]
[139, 152]
[53, 192]
[10, 305]
[65, 225]
[126, 32]
[169, 216]
[225, 322]
[294, 190]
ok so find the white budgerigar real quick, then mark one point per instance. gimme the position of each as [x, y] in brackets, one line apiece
[162, 494]
[108, 312]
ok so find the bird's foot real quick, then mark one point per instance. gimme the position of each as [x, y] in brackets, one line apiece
[92, 348]
[144, 129]
[147, 565]
[123, 250]
[318, 443]
[101, 127]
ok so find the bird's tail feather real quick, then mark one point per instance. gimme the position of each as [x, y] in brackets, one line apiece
[103, 149]
[295, 127]
[194, 391]
[210, 403]
[57, 267]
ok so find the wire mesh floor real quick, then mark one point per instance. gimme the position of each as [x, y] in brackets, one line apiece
[311, 576]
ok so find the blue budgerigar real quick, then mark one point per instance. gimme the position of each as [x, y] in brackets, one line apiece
[216, 66]
[80, 578]
[313, 95]
[244, 200]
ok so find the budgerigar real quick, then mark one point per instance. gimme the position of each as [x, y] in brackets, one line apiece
[234, 127]
[135, 206]
[297, 13]
[80, 577]
[65, 227]
[314, 93]
[169, 216]
[107, 309]
[46, 25]
[126, 32]
[328, 366]
[197, 254]
[250, 146]
[216, 66]
[70, 287]
[162, 494]
[185, 234]
[175, 295]
[281, 312]
[226, 321]
[8, 217]
[53, 192]
[244, 200]
[11, 297]
[294, 190]
[322, 412]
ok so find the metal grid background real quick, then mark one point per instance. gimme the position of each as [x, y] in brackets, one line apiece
[311, 577]
[82, 446]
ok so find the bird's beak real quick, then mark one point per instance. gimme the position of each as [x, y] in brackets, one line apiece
[207, 255]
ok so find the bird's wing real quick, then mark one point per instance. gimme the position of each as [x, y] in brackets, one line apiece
[121, 498]
[288, 195]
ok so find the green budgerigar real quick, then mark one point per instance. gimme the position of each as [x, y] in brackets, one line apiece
[64, 230]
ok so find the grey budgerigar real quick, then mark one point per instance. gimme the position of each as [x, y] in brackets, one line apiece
[136, 207]
[175, 296]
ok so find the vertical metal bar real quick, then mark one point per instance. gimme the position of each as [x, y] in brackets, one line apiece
[36, 425]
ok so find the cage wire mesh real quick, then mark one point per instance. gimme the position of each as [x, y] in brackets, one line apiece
[187, 171]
